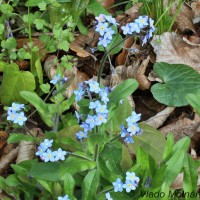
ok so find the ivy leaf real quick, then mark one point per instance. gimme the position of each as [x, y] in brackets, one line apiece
[15, 81]
[179, 80]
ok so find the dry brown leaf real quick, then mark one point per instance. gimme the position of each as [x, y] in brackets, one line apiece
[6, 159]
[159, 119]
[196, 11]
[3, 138]
[106, 3]
[184, 19]
[182, 127]
[134, 10]
[27, 149]
[79, 50]
[174, 49]
[137, 72]
[121, 58]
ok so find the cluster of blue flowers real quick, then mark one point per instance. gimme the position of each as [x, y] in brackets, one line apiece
[66, 197]
[132, 129]
[98, 107]
[57, 78]
[15, 114]
[131, 183]
[104, 28]
[46, 154]
[138, 25]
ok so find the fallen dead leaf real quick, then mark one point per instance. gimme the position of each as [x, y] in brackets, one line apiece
[121, 58]
[182, 127]
[7, 159]
[196, 11]
[133, 12]
[137, 72]
[184, 18]
[159, 119]
[174, 49]
[3, 138]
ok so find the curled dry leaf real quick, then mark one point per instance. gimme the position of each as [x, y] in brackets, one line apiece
[137, 72]
[174, 49]
[106, 3]
[159, 119]
[79, 50]
[182, 127]
[27, 149]
[121, 58]
[3, 138]
[7, 159]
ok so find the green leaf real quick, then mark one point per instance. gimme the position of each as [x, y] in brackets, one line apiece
[46, 171]
[69, 184]
[32, 3]
[168, 146]
[67, 138]
[182, 144]
[190, 176]
[45, 88]
[40, 106]
[126, 161]
[123, 90]
[97, 8]
[193, 100]
[112, 156]
[118, 115]
[90, 185]
[39, 23]
[1, 28]
[12, 180]
[15, 81]
[151, 140]
[174, 167]
[17, 137]
[9, 44]
[46, 185]
[74, 165]
[83, 29]
[38, 67]
[179, 80]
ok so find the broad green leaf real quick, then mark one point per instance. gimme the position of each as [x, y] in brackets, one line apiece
[97, 8]
[15, 81]
[83, 29]
[179, 80]
[123, 90]
[2, 66]
[182, 144]
[193, 100]
[45, 88]
[112, 156]
[1, 28]
[126, 161]
[38, 67]
[46, 171]
[151, 140]
[12, 180]
[67, 138]
[115, 42]
[74, 165]
[90, 185]
[69, 184]
[190, 176]
[174, 167]
[47, 185]
[40, 106]
[17, 137]
[118, 115]
[168, 146]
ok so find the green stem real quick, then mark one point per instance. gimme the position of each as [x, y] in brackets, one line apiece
[105, 57]
[96, 152]
[79, 156]
[55, 127]
[116, 137]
